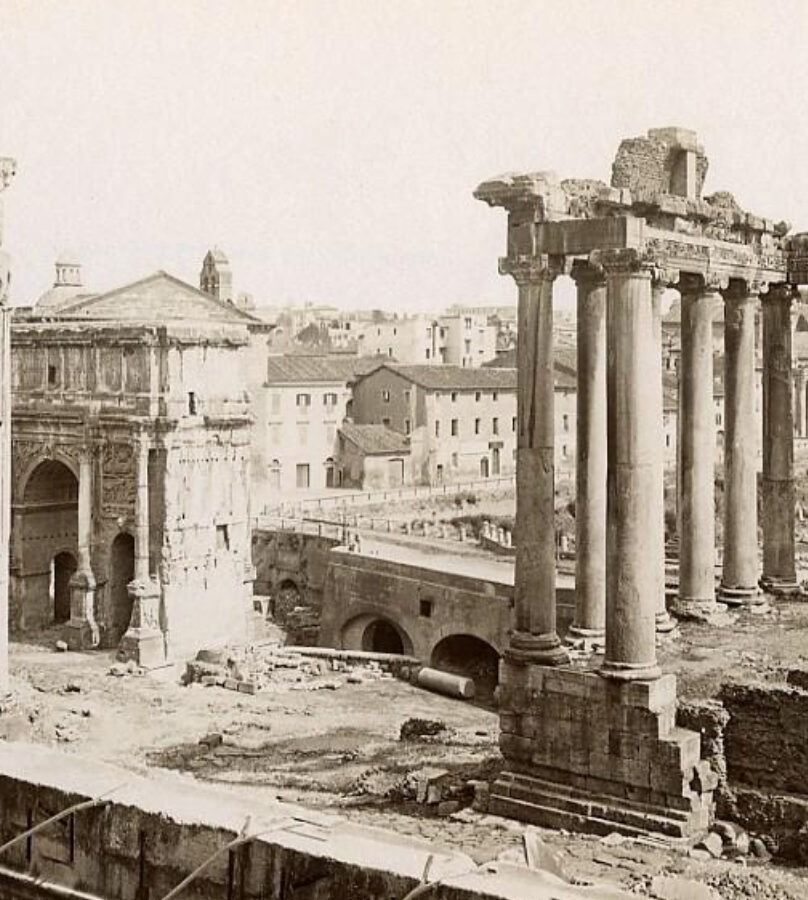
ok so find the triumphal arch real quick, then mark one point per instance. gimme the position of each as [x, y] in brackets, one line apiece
[130, 455]
[598, 747]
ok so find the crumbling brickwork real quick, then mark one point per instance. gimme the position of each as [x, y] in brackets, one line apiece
[645, 166]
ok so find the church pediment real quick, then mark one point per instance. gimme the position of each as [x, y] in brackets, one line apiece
[159, 298]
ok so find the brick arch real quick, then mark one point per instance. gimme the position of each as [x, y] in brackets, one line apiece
[353, 634]
[21, 478]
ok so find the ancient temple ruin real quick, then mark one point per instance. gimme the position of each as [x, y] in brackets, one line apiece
[600, 749]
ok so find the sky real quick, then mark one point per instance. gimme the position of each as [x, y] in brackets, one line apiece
[331, 147]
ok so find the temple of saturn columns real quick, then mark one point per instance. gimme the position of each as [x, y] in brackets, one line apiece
[598, 748]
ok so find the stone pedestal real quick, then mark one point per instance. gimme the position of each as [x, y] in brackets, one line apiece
[592, 754]
[81, 632]
[143, 641]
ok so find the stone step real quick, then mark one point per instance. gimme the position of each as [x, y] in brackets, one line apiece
[542, 802]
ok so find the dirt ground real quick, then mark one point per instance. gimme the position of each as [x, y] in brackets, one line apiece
[339, 749]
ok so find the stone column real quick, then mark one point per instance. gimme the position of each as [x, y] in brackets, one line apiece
[81, 632]
[634, 493]
[739, 578]
[590, 458]
[664, 622]
[697, 535]
[779, 573]
[534, 638]
[143, 641]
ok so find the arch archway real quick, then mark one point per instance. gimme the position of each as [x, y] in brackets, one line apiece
[472, 657]
[63, 565]
[121, 572]
[46, 530]
[381, 636]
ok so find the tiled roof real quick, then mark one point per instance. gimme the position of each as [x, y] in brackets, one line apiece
[440, 377]
[375, 439]
[565, 359]
[297, 369]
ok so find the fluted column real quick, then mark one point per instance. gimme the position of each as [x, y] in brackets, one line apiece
[664, 622]
[739, 578]
[697, 535]
[590, 461]
[534, 638]
[779, 572]
[634, 494]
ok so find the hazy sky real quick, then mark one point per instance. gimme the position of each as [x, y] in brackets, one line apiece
[330, 147]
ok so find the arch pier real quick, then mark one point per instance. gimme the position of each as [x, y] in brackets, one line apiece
[598, 749]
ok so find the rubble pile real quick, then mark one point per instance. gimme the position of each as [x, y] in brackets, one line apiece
[267, 668]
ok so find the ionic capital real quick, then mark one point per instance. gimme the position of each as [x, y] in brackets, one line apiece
[691, 283]
[741, 291]
[588, 272]
[780, 293]
[527, 270]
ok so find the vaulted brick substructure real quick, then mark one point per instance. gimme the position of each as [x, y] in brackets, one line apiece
[599, 749]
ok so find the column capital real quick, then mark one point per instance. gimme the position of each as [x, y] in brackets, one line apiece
[587, 271]
[626, 261]
[779, 293]
[742, 290]
[702, 283]
[533, 269]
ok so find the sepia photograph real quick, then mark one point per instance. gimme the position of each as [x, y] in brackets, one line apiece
[403, 450]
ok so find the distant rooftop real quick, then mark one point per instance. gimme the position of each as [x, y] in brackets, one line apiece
[294, 369]
[442, 377]
[375, 439]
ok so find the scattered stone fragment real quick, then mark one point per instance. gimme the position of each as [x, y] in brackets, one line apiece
[713, 844]
[212, 740]
[539, 856]
[448, 807]
[613, 839]
[758, 849]
[61, 646]
[118, 670]
[413, 729]
[73, 687]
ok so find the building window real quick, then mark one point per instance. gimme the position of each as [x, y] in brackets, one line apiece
[386, 421]
[454, 396]
[513, 424]
[191, 403]
[565, 422]
[454, 427]
[495, 425]
[303, 400]
[718, 418]
[425, 608]
[51, 375]
[275, 400]
[495, 396]
[407, 427]
[302, 475]
[389, 351]
[476, 426]
[477, 396]
[467, 322]
[329, 399]
[437, 427]
[454, 460]
[407, 396]
[667, 440]
[222, 538]
[386, 396]
[427, 354]
[564, 450]
[467, 342]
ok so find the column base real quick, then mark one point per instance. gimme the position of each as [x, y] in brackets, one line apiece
[732, 595]
[665, 623]
[780, 587]
[588, 639]
[536, 649]
[630, 671]
[81, 632]
[706, 612]
[593, 755]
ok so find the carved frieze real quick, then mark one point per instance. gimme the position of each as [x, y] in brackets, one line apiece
[117, 478]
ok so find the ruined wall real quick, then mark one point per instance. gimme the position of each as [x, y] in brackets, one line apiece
[425, 605]
[151, 835]
[754, 738]
[285, 558]
[647, 167]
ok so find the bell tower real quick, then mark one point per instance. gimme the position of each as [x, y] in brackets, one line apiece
[216, 277]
